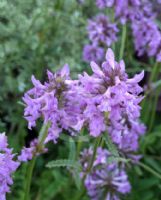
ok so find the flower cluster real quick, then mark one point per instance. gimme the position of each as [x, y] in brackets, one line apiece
[102, 33]
[148, 42]
[105, 181]
[127, 9]
[7, 166]
[112, 102]
[106, 101]
[142, 18]
[53, 102]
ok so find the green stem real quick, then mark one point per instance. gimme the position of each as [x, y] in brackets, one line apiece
[79, 146]
[153, 77]
[43, 135]
[149, 169]
[113, 20]
[152, 117]
[154, 73]
[41, 139]
[96, 145]
[29, 178]
[123, 40]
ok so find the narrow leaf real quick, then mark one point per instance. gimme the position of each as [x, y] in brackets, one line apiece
[64, 163]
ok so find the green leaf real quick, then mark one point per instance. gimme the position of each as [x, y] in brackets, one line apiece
[75, 138]
[77, 179]
[64, 163]
[112, 159]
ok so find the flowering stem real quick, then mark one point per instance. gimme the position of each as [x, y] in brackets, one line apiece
[29, 177]
[43, 135]
[154, 73]
[113, 20]
[153, 77]
[96, 145]
[41, 139]
[152, 117]
[123, 39]
[79, 144]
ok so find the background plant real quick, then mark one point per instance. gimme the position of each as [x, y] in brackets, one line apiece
[36, 35]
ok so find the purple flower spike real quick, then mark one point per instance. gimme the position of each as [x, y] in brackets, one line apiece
[112, 102]
[53, 102]
[7, 167]
[147, 42]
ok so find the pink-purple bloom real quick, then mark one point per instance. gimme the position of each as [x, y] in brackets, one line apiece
[106, 101]
[53, 102]
[141, 15]
[112, 102]
[105, 180]
[7, 166]
[147, 38]
[102, 34]
[27, 153]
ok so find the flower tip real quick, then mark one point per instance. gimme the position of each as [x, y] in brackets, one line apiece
[110, 57]
[65, 70]
[50, 75]
[96, 69]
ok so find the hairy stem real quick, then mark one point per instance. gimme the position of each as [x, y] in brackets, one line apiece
[123, 40]
[41, 139]
[96, 145]
[152, 102]
[154, 106]
[29, 177]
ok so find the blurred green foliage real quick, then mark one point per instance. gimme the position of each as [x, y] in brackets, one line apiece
[34, 36]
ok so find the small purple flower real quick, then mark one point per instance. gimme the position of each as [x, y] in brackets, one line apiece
[27, 153]
[102, 31]
[7, 167]
[93, 52]
[104, 181]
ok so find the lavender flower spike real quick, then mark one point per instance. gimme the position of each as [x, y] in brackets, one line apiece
[112, 102]
[7, 166]
[52, 102]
